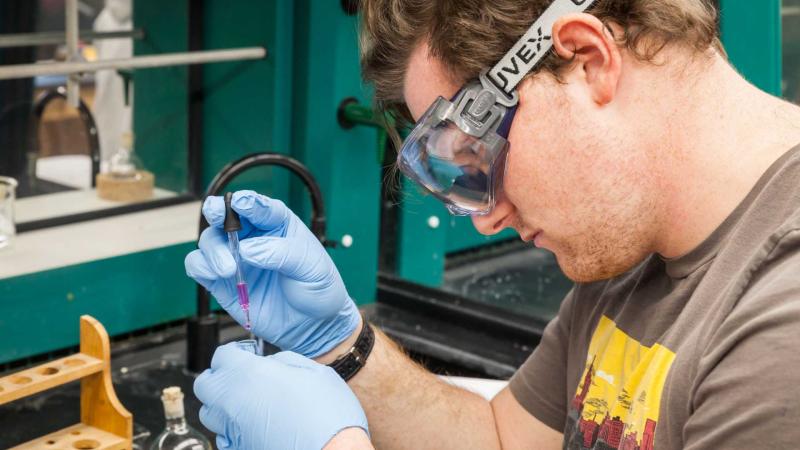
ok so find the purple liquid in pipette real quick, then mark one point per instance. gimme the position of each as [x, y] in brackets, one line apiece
[232, 225]
[244, 302]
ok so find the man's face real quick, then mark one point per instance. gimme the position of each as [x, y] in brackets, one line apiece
[576, 182]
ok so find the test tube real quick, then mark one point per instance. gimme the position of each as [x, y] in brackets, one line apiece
[232, 226]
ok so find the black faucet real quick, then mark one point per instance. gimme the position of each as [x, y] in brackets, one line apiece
[202, 336]
[86, 117]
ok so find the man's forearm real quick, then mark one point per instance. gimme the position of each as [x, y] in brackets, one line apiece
[408, 407]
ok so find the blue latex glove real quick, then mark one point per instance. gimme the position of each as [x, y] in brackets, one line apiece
[284, 401]
[297, 298]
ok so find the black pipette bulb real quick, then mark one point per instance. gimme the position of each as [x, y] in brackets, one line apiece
[232, 222]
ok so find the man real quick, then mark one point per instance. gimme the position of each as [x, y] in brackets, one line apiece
[665, 185]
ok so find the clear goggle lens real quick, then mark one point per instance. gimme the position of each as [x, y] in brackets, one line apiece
[461, 170]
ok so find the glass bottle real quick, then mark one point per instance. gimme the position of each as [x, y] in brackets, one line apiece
[8, 187]
[125, 163]
[178, 435]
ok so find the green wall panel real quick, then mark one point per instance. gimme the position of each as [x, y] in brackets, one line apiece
[462, 235]
[160, 111]
[421, 248]
[246, 109]
[326, 71]
[39, 312]
[751, 33]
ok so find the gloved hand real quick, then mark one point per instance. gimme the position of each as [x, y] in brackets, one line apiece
[297, 298]
[284, 401]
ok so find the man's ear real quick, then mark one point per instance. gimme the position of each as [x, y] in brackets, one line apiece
[583, 39]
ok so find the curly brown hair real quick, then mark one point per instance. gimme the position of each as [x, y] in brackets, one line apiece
[469, 36]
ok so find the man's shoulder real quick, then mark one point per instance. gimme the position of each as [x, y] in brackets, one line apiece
[764, 256]
[773, 272]
[762, 295]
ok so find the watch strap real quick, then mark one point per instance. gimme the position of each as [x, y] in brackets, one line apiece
[348, 365]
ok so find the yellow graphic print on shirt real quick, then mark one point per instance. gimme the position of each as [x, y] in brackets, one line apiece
[617, 401]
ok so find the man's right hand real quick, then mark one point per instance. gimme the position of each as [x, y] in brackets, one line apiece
[298, 300]
[282, 401]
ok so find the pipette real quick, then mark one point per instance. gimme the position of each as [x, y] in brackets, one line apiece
[232, 226]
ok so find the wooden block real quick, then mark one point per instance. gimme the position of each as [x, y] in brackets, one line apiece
[125, 189]
[47, 376]
[78, 436]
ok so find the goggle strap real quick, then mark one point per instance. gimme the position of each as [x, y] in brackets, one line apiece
[532, 46]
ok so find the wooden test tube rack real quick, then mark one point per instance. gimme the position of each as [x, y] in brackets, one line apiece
[105, 423]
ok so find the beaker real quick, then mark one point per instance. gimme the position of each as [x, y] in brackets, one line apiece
[8, 192]
[250, 345]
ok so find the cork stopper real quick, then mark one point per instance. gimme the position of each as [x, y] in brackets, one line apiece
[172, 397]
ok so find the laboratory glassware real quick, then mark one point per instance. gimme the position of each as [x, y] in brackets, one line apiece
[177, 435]
[254, 346]
[8, 194]
[232, 226]
[125, 163]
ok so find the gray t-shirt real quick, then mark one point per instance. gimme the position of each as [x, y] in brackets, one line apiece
[699, 352]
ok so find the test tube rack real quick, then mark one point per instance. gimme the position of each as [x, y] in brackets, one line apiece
[105, 423]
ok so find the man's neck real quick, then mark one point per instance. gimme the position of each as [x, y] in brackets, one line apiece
[721, 135]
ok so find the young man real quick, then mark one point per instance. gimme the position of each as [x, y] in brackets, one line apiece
[664, 183]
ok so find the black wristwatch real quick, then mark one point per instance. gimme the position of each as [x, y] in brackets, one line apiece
[348, 365]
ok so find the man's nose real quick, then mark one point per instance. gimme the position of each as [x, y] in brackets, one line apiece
[498, 219]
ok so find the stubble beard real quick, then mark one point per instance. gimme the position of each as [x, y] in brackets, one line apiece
[609, 248]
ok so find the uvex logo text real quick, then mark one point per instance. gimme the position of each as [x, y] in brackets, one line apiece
[527, 52]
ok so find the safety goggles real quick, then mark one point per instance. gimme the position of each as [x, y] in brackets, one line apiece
[462, 169]
[457, 150]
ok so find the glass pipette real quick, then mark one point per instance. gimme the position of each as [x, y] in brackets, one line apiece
[232, 226]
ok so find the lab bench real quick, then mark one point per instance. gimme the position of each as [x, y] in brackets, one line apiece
[142, 365]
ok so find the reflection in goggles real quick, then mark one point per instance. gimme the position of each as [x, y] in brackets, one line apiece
[458, 168]
[458, 163]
